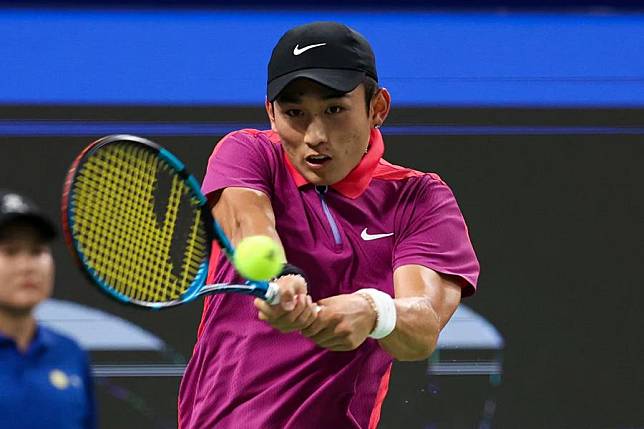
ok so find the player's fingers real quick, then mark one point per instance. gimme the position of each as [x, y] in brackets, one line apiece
[308, 314]
[316, 327]
[287, 293]
[295, 319]
[267, 311]
[299, 284]
[337, 342]
[291, 317]
[312, 329]
[290, 286]
[312, 311]
[325, 336]
[334, 333]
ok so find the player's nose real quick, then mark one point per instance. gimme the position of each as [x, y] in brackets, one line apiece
[25, 262]
[315, 133]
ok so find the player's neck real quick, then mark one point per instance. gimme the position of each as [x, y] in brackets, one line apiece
[18, 326]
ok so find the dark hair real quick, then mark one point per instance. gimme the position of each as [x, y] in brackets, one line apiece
[371, 87]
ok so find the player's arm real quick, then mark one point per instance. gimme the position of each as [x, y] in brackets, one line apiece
[407, 325]
[424, 301]
[243, 212]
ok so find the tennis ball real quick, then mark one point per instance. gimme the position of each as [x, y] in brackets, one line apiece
[258, 258]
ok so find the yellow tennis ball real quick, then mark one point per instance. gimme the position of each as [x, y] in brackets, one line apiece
[258, 258]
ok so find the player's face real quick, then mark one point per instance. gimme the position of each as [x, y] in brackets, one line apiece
[26, 269]
[325, 133]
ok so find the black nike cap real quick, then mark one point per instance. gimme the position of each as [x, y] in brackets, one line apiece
[329, 53]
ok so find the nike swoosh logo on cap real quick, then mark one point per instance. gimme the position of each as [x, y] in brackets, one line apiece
[298, 51]
[368, 237]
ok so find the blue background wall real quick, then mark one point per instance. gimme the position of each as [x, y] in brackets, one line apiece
[206, 57]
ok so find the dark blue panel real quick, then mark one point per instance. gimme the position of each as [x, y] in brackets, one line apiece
[28, 128]
[219, 57]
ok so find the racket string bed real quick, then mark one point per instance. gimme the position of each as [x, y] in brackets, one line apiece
[127, 226]
[121, 214]
[109, 217]
[141, 186]
[139, 225]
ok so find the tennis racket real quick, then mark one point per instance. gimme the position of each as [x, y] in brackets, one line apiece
[140, 228]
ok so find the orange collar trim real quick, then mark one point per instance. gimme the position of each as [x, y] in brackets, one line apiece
[359, 178]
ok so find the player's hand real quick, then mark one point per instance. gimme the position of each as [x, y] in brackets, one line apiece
[343, 322]
[296, 309]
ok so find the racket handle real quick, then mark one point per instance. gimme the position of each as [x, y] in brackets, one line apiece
[272, 295]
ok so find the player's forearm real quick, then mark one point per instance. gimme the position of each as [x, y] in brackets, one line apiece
[260, 221]
[254, 222]
[245, 212]
[416, 331]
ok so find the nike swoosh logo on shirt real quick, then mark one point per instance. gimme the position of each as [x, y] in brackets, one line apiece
[297, 50]
[368, 237]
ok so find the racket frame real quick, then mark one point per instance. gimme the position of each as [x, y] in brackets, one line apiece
[265, 290]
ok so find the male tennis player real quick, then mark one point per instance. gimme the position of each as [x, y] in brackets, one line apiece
[384, 250]
[44, 377]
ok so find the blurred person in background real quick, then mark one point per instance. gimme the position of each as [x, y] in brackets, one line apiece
[44, 376]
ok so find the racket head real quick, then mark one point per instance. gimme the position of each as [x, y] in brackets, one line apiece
[136, 222]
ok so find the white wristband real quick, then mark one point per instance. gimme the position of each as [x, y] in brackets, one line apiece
[385, 312]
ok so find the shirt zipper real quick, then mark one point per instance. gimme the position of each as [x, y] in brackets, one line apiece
[321, 190]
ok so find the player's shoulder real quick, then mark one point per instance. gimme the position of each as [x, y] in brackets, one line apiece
[248, 142]
[251, 136]
[412, 187]
[408, 176]
[59, 341]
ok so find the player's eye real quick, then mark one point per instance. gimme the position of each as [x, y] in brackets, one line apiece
[38, 250]
[334, 109]
[293, 113]
[9, 250]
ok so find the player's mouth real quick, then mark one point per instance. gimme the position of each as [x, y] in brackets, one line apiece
[316, 162]
[30, 284]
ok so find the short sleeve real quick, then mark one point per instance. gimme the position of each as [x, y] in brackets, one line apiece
[91, 419]
[431, 231]
[240, 159]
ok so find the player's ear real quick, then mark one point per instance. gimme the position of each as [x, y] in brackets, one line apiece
[379, 107]
[270, 111]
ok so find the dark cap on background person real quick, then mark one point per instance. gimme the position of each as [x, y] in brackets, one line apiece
[15, 207]
[329, 53]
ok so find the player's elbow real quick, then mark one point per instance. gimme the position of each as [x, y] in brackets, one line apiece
[416, 354]
[417, 351]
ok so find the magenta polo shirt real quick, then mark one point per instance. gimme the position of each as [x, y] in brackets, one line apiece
[348, 236]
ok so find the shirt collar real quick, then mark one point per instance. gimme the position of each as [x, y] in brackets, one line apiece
[358, 179]
[5, 340]
[42, 339]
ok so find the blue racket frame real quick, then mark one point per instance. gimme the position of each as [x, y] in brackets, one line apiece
[264, 290]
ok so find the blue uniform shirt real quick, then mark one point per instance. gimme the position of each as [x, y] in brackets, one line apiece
[47, 386]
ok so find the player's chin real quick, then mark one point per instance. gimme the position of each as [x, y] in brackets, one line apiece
[22, 306]
[328, 175]
[32, 293]
[315, 178]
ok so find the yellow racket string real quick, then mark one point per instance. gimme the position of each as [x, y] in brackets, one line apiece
[124, 239]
